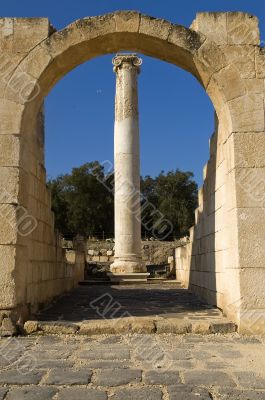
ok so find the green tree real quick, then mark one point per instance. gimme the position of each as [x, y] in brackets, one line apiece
[175, 196]
[82, 203]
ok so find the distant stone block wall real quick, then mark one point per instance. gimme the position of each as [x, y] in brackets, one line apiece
[153, 252]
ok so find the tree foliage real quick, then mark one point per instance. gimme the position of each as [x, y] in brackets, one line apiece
[83, 203]
[175, 196]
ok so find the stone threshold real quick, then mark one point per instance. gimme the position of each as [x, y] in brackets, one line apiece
[107, 282]
[134, 325]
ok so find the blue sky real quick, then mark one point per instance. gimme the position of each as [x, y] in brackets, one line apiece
[176, 114]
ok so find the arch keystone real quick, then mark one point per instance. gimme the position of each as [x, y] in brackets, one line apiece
[127, 21]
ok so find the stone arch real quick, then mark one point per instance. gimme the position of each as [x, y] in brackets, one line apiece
[87, 38]
[203, 51]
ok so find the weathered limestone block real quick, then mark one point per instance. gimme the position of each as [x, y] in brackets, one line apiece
[127, 21]
[22, 88]
[8, 226]
[35, 64]
[254, 85]
[92, 27]
[220, 175]
[209, 60]
[9, 61]
[250, 187]
[242, 57]
[30, 327]
[251, 321]
[248, 150]
[251, 231]
[173, 325]
[252, 292]
[154, 27]
[62, 327]
[6, 27]
[212, 25]
[247, 113]
[260, 62]
[7, 278]
[9, 185]
[10, 150]
[186, 39]
[10, 121]
[6, 34]
[242, 28]
[28, 32]
[219, 197]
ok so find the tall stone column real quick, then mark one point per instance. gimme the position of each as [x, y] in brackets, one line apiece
[128, 265]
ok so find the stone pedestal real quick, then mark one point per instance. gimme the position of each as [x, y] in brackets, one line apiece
[128, 260]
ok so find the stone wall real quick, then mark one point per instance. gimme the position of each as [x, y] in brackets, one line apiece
[34, 267]
[223, 260]
[153, 252]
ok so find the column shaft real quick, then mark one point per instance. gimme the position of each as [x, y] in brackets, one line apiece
[128, 258]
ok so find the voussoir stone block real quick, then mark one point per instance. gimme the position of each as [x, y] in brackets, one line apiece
[93, 27]
[229, 81]
[208, 60]
[154, 27]
[128, 21]
[186, 38]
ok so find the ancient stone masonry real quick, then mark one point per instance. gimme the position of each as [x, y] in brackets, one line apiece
[224, 261]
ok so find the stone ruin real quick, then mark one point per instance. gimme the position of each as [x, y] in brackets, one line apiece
[224, 260]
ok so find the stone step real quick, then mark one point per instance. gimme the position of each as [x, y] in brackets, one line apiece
[136, 325]
[106, 281]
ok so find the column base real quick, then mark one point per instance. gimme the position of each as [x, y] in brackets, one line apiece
[128, 271]
[129, 277]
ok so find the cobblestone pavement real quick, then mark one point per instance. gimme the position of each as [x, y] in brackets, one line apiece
[132, 367]
[167, 300]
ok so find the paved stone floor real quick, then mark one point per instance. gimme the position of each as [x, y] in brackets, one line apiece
[132, 367]
[148, 308]
[167, 300]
